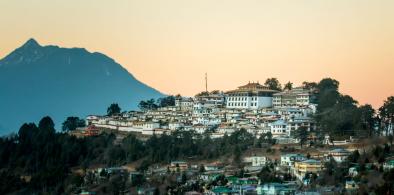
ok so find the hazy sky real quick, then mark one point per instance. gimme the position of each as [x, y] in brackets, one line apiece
[170, 44]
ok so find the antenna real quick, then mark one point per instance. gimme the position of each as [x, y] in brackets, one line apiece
[206, 82]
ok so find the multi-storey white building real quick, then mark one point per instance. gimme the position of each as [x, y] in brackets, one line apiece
[175, 125]
[184, 103]
[250, 96]
[256, 160]
[339, 154]
[216, 98]
[292, 98]
[289, 159]
[297, 122]
[279, 128]
[226, 129]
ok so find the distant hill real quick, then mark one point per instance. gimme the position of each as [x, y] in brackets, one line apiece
[36, 81]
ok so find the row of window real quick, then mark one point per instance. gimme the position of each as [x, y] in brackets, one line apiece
[242, 104]
[299, 96]
[252, 94]
[278, 131]
[241, 98]
[298, 100]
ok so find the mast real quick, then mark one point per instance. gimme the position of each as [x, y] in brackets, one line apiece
[206, 82]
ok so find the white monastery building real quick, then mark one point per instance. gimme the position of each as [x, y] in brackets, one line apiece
[250, 96]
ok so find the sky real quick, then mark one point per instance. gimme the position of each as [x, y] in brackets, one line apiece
[171, 44]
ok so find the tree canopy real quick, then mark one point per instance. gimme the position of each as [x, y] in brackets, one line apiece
[288, 86]
[151, 104]
[273, 84]
[113, 109]
[309, 85]
[301, 134]
[72, 123]
[341, 115]
[148, 105]
[386, 113]
[166, 101]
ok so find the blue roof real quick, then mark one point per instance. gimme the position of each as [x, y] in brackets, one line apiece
[293, 154]
[279, 122]
[340, 150]
[311, 161]
[302, 118]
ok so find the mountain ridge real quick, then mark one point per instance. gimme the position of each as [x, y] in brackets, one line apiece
[69, 80]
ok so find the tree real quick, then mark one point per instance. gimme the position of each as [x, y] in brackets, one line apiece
[166, 101]
[26, 133]
[201, 168]
[148, 105]
[354, 157]
[9, 182]
[113, 109]
[339, 114]
[46, 125]
[117, 184]
[72, 123]
[288, 86]
[268, 174]
[391, 138]
[267, 138]
[203, 93]
[237, 155]
[302, 134]
[341, 118]
[142, 105]
[133, 147]
[333, 173]
[309, 85]
[273, 84]
[215, 92]
[367, 117]
[328, 94]
[386, 113]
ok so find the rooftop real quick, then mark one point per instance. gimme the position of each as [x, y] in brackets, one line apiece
[311, 161]
[279, 122]
[293, 154]
[252, 87]
[339, 150]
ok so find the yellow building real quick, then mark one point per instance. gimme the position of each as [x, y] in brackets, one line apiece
[308, 166]
[178, 166]
[351, 185]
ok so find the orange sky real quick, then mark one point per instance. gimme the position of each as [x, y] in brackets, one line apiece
[170, 44]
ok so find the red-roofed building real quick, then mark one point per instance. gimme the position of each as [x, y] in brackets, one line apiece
[91, 130]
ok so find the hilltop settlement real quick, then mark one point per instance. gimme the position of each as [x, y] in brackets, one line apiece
[255, 139]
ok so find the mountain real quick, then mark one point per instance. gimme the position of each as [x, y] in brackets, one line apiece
[37, 81]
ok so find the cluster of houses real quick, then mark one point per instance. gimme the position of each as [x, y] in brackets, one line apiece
[253, 107]
[297, 165]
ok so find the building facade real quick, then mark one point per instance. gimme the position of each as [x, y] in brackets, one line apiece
[296, 97]
[302, 168]
[250, 96]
